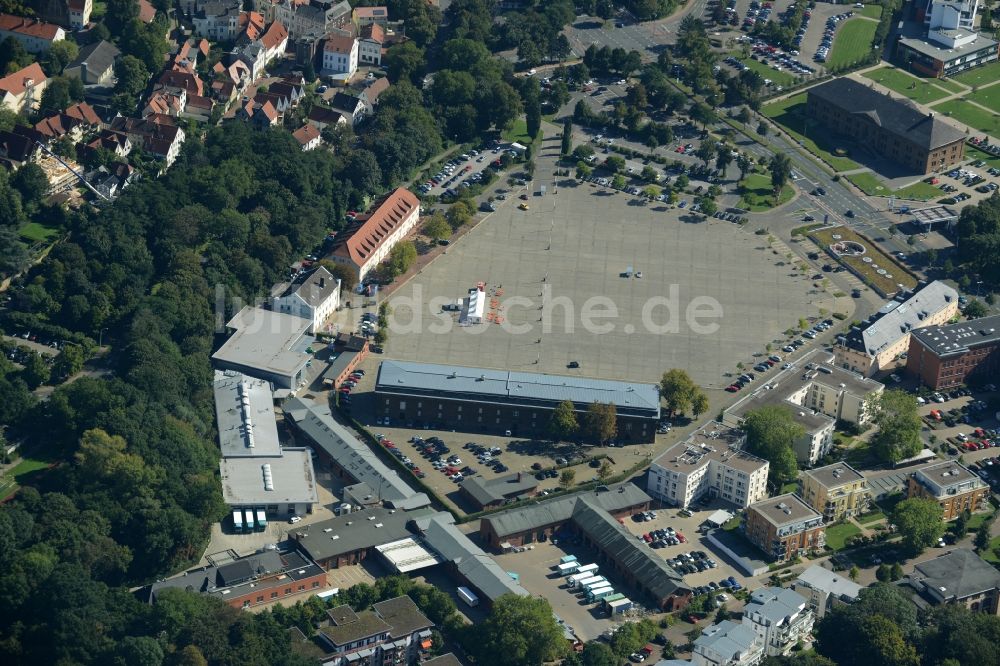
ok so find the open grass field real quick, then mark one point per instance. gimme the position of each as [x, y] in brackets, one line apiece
[518, 132]
[871, 518]
[976, 154]
[27, 466]
[980, 76]
[783, 79]
[757, 195]
[871, 11]
[38, 233]
[790, 113]
[919, 191]
[869, 183]
[852, 42]
[973, 116]
[922, 91]
[887, 284]
[949, 85]
[988, 97]
[837, 535]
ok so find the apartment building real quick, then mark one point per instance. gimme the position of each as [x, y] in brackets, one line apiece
[877, 344]
[951, 485]
[784, 527]
[727, 643]
[818, 394]
[367, 241]
[314, 296]
[894, 128]
[958, 577]
[21, 91]
[779, 617]
[943, 357]
[340, 55]
[712, 462]
[392, 632]
[309, 17]
[837, 491]
[825, 589]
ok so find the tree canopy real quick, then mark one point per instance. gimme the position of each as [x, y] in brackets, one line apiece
[771, 434]
[918, 521]
[894, 413]
[518, 630]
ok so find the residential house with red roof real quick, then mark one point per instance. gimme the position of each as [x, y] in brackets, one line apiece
[365, 16]
[364, 244]
[370, 44]
[274, 40]
[147, 12]
[72, 123]
[187, 81]
[158, 134]
[22, 90]
[308, 137]
[340, 55]
[35, 36]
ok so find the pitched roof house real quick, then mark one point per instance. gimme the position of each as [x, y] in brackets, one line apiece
[308, 137]
[22, 90]
[367, 241]
[35, 36]
[94, 64]
[353, 108]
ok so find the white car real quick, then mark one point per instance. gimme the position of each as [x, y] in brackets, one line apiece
[294, 519]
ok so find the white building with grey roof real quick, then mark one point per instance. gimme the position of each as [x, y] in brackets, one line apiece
[825, 589]
[876, 345]
[779, 617]
[314, 296]
[495, 400]
[267, 345]
[712, 462]
[257, 473]
[727, 643]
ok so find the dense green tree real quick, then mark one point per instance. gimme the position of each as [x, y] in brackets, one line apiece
[897, 423]
[596, 653]
[59, 55]
[975, 309]
[771, 434]
[531, 97]
[600, 423]
[563, 424]
[518, 630]
[918, 521]
[401, 257]
[679, 391]
[437, 227]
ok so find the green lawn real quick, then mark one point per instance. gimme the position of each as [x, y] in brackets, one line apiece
[790, 487]
[869, 183]
[949, 85]
[871, 11]
[978, 519]
[824, 237]
[976, 154]
[783, 79]
[37, 233]
[919, 90]
[837, 535]
[973, 116]
[27, 466]
[919, 191]
[852, 43]
[758, 195]
[871, 517]
[790, 113]
[991, 553]
[518, 132]
[980, 75]
[988, 97]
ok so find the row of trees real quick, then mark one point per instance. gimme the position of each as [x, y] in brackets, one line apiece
[600, 423]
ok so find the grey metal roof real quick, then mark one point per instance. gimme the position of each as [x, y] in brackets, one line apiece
[649, 568]
[560, 510]
[244, 412]
[947, 478]
[339, 364]
[961, 337]
[487, 491]
[351, 532]
[266, 341]
[526, 388]
[899, 318]
[438, 531]
[945, 54]
[899, 117]
[214, 580]
[830, 582]
[447, 659]
[957, 574]
[293, 479]
[835, 475]
[353, 455]
[728, 639]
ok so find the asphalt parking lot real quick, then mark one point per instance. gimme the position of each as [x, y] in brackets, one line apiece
[565, 256]
[459, 171]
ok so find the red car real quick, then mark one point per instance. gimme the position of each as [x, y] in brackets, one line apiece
[647, 538]
[732, 388]
[680, 537]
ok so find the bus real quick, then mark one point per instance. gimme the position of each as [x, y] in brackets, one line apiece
[567, 558]
[600, 593]
[566, 568]
[237, 521]
[261, 520]
[588, 568]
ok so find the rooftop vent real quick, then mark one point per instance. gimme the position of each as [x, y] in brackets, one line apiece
[268, 479]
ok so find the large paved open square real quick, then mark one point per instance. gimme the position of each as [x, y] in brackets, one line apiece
[574, 244]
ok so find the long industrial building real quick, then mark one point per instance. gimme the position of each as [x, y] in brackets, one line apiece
[502, 401]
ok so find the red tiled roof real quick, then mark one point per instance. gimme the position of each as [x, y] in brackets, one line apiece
[370, 231]
[147, 12]
[273, 36]
[268, 110]
[55, 126]
[76, 5]
[252, 24]
[377, 87]
[29, 27]
[84, 113]
[306, 133]
[371, 12]
[339, 44]
[373, 32]
[188, 81]
[17, 82]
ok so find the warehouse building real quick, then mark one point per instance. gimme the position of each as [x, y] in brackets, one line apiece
[537, 522]
[506, 402]
[372, 482]
[267, 345]
[943, 357]
[489, 493]
[712, 462]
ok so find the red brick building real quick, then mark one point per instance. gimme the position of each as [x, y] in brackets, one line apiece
[784, 526]
[946, 356]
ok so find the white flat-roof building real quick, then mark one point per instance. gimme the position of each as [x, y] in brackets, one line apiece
[727, 643]
[267, 345]
[780, 618]
[825, 589]
[710, 461]
[314, 296]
